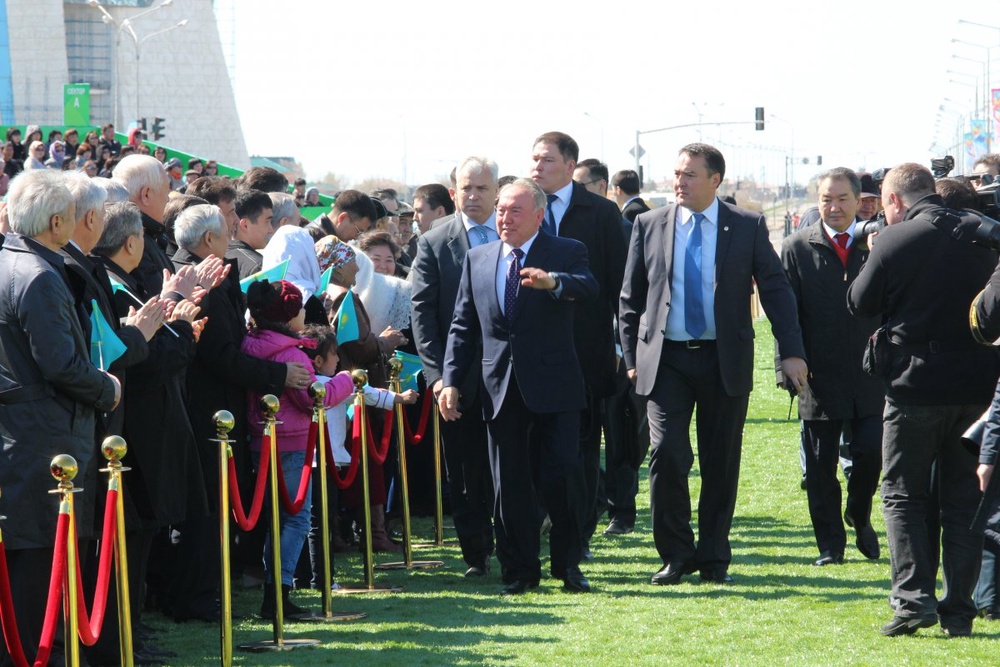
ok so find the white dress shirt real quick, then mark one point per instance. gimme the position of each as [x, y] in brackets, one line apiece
[683, 225]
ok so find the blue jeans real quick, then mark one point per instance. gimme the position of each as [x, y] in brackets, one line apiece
[294, 527]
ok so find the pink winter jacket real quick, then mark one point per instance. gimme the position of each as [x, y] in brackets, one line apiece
[296, 409]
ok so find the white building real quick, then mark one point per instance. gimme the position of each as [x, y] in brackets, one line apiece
[138, 62]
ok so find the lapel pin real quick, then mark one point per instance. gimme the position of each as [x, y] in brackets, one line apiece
[725, 229]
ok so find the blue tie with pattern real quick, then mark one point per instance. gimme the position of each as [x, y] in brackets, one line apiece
[513, 281]
[484, 236]
[549, 224]
[694, 306]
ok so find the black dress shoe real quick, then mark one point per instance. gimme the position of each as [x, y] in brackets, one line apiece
[575, 582]
[480, 568]
[716, 576]
[867, 542]
[671, 574]
[907, 625]
[619, 527]
[518, 587]
[829, 558]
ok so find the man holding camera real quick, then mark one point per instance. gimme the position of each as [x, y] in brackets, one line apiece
[938, 380]
[821, 262]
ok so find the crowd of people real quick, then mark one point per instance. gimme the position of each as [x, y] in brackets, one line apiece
[550, 312]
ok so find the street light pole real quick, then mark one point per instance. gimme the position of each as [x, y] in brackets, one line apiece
[138, 45]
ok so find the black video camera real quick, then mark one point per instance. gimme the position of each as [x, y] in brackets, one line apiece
[942, 166]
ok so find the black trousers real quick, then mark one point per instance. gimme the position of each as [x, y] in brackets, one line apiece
[626, 442]
[822, 443]
[921, 441]
[590, 451]
[535, 454]
[470, 482]
[687, 378]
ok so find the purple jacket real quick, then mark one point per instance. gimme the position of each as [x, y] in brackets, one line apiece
[296, 409]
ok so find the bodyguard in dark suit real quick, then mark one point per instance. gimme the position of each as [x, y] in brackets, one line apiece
[687, 340]
[573, 212]
[532, 384]
[821, 262]
[435, 275]
[625, 187]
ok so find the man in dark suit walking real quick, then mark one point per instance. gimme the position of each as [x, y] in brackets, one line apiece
[821, 262]
[435, 275]
[687, 340]
[516, 297]
[573, 212]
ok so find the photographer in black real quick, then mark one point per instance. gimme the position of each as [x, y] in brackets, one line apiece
[921, 277]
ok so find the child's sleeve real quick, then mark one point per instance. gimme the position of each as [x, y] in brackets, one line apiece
[338, 389]
[379, 398]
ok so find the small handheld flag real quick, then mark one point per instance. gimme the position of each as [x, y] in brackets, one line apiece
[347, 320]
[411, 367]
[273, 274]
[105, 346]
[324, 282]
[117, 286]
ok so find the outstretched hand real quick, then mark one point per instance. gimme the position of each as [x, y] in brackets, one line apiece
[536, 278]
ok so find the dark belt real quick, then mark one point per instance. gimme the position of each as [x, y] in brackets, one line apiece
[688, 344]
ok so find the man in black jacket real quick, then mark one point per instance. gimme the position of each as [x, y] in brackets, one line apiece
[820, 263]
[920, 278]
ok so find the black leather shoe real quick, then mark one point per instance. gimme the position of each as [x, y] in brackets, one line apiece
[481, 568]
[907, 625]
[829, 558]
[671, 574]
[518, 587]
[716, 576]
[619, 527]
[867, 542]
[575, 582]
[958, 629]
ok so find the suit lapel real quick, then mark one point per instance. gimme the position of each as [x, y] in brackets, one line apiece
[487, 272]
[724, 236]
[669, 228]
[576, 198]
[458, 241]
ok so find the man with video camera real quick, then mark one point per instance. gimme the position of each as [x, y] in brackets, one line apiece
[921, 276]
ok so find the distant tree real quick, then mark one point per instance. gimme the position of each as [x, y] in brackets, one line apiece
[331, 183]
[379, 183]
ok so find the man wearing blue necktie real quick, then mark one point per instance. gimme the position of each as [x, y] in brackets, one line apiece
[687, 341]
[435, 275]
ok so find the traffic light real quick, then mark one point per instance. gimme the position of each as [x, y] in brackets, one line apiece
[640, 176]
[819, 160]
[158, 128]
[142, 124]
[759, 118]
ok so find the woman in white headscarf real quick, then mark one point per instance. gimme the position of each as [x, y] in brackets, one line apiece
[297, 246]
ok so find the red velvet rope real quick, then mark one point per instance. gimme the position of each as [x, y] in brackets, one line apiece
[90, 626]
[378, 455]
[7, 618]
[425, 413]
[300, 496]
[245, 523]
[343, 483]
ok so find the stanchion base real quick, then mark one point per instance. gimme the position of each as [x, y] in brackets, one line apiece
[434, 545]
[268, 645]
[333, 617]
[344, 590]
[412, 565]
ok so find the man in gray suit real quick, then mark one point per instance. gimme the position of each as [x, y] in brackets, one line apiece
[685, 322]
[435, 275]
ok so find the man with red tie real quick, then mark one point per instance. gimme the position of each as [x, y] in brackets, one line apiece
[821, 262]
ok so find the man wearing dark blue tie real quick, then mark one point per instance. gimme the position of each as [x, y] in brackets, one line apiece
[687, 340]
[516, 300]
[573, 212]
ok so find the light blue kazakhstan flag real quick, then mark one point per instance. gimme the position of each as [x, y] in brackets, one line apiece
[324, 282]
[411, 367]
[273, 274]
[347, 320]
[105, 345]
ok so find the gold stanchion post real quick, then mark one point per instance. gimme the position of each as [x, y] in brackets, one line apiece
[64, 468]
[395, 366]
[269, 405]
[318, 393]
[114, 449]
[224, 423]
[360, 378]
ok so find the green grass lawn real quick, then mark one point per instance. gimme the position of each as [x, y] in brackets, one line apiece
[780, 611]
